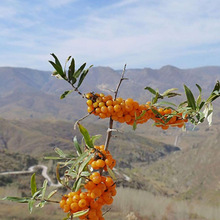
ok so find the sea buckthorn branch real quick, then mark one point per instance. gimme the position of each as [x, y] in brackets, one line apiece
[72, 76]
[109, 130]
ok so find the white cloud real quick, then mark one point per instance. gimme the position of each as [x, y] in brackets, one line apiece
[137, 32]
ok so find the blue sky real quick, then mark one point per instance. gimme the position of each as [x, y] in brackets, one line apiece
[149, 33]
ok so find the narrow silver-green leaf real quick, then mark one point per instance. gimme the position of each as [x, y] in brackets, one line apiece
[65, 94]
[52, 194]
[86, 136]
[30, 205]
[190, 98]
[58, 69]
[85, 162]
[77, 146]
[77, 184]
[82, 77]
[166, 103]
[111, 173]
[80, 213]
[79, 159]
[79, 71]
[17, 199]
[60, 152]
[150, 90]
[33, 185]
[95, 137]
[44, 188]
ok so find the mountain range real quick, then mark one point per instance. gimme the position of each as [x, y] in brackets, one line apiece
[33, 120]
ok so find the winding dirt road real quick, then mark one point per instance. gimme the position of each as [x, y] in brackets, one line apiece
[32, 170]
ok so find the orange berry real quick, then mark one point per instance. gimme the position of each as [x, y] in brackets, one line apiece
[96, 192]
[104, 109]
[62, 203]
[100, 163]
[127, 118]
[117, 108]
[89, 102]
[96, 179]
[95, 104]
[76, 198]
[90, 185]
[120, 113]
[121, 119]
[69, 201]
[109, 103]
[109, 181]
[102, 115]
[129, 101]
[114, 117]
[101, 104]
[167, 111]
[98, 110]
[94, 204]
[128, 107]
[82, 203]
[119, 100]
[89, 95]
[66, 208]
[83, 195]
[74, 206]
[90, 109]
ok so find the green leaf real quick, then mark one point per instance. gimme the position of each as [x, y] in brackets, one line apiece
[77, 184]
[82, 77]
[52, 158]
[44, 188]
[80, 213]
[85, 162]
[169, 93]
[190, 98]
[71, 71]
[58, 174]
[17, 199]
[85, 173]
[58, 69]
[199, 99]
[134, 125]
[111, 173]
[38, 193]
[77, 146]
[65, 94]
[201, 105]
[67, 217]
[165, 103]
[33, 185]
[95, 137]
[86, 136]
[41, 204]
[79, 71]
[60, 152]
[52, 194]
[56, 60]
[30, 205]
[150, 90]
[79, 159]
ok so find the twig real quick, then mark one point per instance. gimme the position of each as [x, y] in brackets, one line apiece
[77, 122]
[109, 131]
[106, 211]
[47, 200]
[122, 78]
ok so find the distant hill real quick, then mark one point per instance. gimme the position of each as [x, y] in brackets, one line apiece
[27, 93]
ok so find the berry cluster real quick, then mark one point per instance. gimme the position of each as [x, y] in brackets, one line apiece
[131, 111]
[102, 159]
[98, 189]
